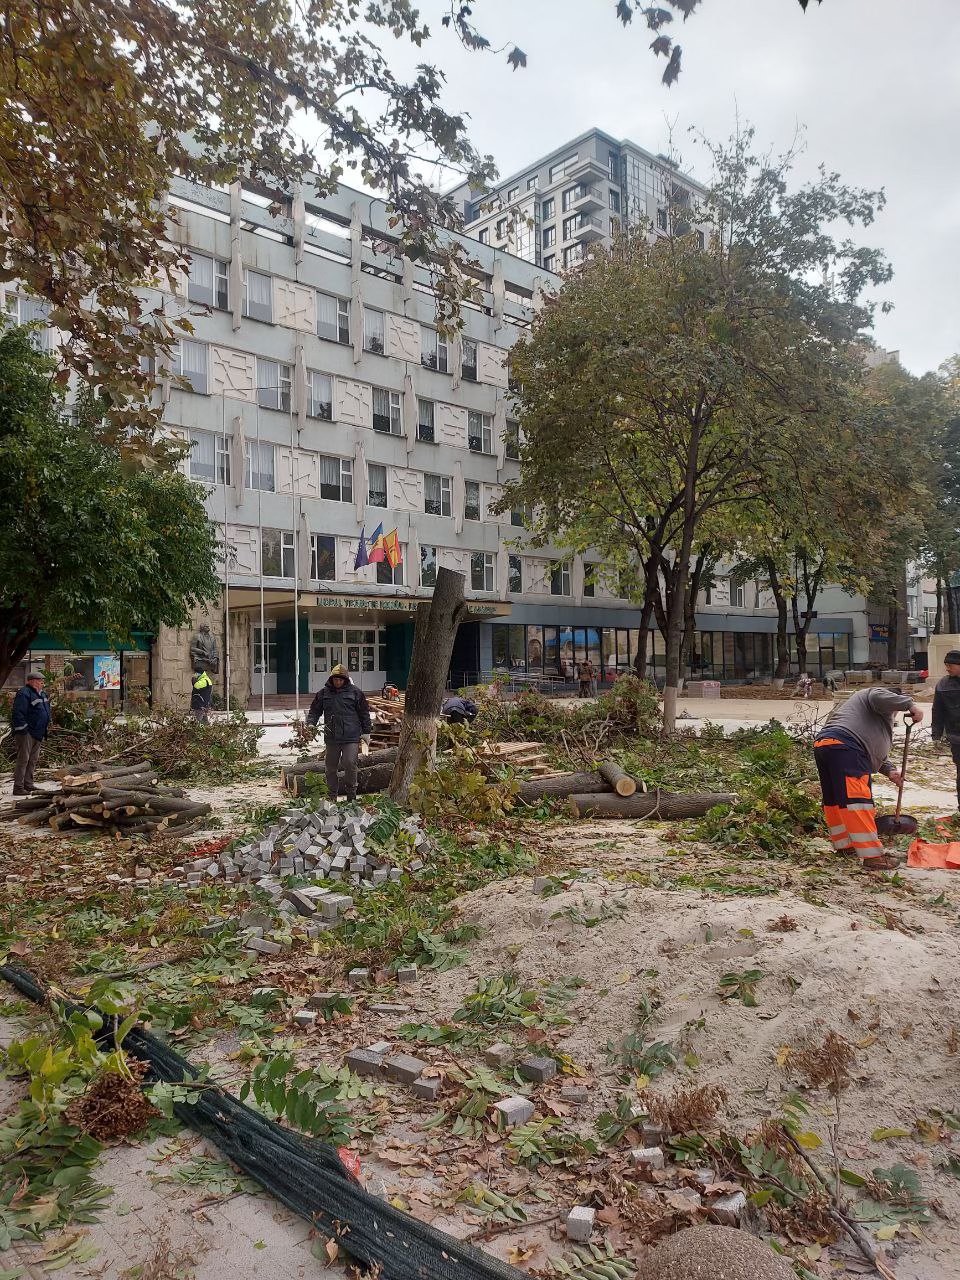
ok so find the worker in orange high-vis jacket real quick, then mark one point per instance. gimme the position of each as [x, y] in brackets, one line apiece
[855, 743]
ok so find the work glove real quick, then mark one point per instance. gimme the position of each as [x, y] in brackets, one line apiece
[365, 740]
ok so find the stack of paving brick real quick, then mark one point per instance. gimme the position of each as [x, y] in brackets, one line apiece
[329, 844]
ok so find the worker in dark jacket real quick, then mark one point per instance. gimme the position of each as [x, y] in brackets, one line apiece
[946, 710]
[201, 694]
[30, 721]
[346, 723]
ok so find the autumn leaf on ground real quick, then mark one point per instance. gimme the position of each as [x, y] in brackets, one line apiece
[520, 1253]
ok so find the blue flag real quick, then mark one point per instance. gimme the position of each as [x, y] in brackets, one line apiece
[362, 558]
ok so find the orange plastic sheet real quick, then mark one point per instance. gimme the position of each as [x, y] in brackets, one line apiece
[934, 857]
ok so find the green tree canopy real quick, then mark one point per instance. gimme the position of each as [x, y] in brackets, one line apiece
[662, 383]
[89, 541]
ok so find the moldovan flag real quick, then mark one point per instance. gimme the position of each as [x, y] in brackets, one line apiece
[391, 545]
[376, 552]
[362, 557]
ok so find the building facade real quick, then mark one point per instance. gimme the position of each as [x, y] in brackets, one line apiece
[321, 402]
[552, 211]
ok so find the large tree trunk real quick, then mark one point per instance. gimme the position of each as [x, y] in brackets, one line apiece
[17, 631]
[643, 637]
[782, 668]
[953, 614]
[436, 630]
[564, 784]
[652, 804]
[938, 617]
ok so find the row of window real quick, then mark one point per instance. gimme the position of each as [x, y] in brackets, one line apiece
[209, 285]
[360, 649]
[210, 462]
[274, 390]
[278, 559]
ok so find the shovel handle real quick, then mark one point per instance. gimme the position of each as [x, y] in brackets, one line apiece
[903, 766]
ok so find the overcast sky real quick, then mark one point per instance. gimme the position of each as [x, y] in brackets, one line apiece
[876, 83]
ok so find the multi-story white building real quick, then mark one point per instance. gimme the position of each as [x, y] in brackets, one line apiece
[552, 211]
[320, 401]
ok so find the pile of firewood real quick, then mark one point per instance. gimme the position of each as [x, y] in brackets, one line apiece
[118, 799]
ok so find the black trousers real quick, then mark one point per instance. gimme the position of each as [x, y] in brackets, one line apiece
[341, 755]
[955, 752]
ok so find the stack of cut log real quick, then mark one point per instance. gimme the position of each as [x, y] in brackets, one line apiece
[118, 799]
[610, 792]
[374, 772]
[528, 756]
[387, 717]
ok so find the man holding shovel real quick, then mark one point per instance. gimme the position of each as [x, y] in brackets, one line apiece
[855, 743]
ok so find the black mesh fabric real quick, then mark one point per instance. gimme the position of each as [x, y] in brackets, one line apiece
[305, 1175]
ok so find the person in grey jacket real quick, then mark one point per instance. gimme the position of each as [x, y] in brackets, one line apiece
[855, 743]
[346, 723]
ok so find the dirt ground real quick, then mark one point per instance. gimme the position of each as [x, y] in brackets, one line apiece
[638, 915]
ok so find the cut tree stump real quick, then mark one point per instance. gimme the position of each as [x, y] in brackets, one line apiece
[653, 804]
[563, 784]
[618, 778]
[434, 633]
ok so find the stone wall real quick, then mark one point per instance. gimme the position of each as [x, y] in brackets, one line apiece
[171, 660]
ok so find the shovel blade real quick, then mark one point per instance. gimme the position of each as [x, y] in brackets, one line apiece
[890, 825]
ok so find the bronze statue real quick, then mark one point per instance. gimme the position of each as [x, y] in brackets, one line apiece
[203, 651]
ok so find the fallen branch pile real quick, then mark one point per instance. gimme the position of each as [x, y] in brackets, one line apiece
[119, 799]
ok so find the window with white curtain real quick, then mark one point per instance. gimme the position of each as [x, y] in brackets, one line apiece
[471, 500]
[425, 421]
[208, 282]
[193, 364]
[34, 311]
[376, 485]
[209, 457]
[257, 296]
[387, 412]
[336, 479]
[480, 432]
[436, 495]
[274, 385]
[319, 395]
[434, 353]
[373, 330]
[260, 470]
[333, 318]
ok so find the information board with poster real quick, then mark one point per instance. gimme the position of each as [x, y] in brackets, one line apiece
[106, 671]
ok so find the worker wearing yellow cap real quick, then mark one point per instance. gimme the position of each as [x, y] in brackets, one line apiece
[346, 723]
